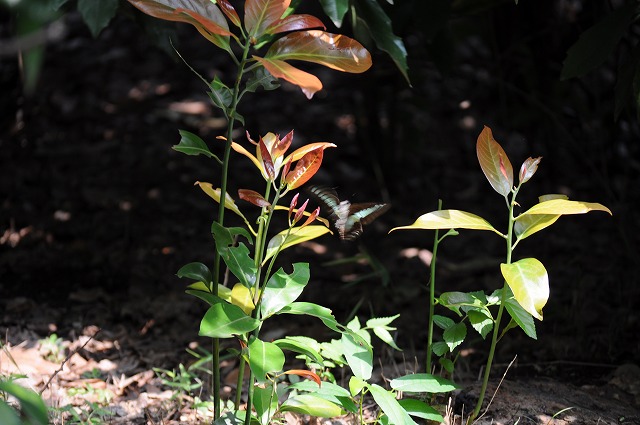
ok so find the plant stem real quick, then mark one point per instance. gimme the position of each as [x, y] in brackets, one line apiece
[432, 292]
[496, 326]
[223, 193]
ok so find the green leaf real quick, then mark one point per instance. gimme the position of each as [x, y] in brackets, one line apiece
[265, 401]
[283, 289]
[481, 321]
[564, 207]
[9, 415]
[196, 271]
[421, 410]
[381, 322]
[328, 391]
[191, 144]
[97, 14]
[297, 235]
[454, 335]
[390, 406]
[529, 282]
[224, 320]
[455, 300]
[292, 344]
[440, 348]
[386, 337]
[261, 78]
[443, 322]
[521, 317]
[422, 383]
[370, 15]
[241, 265]
[494, 162]
[231, 418]
[264, 358]
[356, 385]
[446, 364]
[31, 405]
[309, 404]
[450, 219]
[358, 354]
[314, 310]
[335, 10]
[598, 43]
[220, 95]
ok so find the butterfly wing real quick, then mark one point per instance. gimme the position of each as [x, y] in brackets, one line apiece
[367, 212]
[327, 197]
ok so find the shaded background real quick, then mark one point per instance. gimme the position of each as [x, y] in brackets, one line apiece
[97, 213]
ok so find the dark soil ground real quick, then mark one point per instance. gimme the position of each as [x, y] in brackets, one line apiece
[97, 213]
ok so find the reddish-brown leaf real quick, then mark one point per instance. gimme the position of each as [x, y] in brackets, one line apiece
[253, 197]
[265, 158]
[295, 23]
[305, 168]
[261, 14]
[282, 145]
[305, 374]
[494, 162]
[205, 16]
[308, 83]
[311, 217]
[529, 168]
[292, 205]
[300, 212]
[230, 12]
[332, 50]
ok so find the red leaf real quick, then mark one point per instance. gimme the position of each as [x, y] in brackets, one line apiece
[300, 212]
[261, 14]
[230, 12]
[295, 23]
[312, 217]
[305, 374]
[332, 50]
[309, 83]
[265, 159]
[292, 205]
[216, 29]
[253, 197]
[494, 162]
[282, 145]
[305, 168]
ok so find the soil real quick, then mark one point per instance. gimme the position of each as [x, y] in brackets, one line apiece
[97, 213]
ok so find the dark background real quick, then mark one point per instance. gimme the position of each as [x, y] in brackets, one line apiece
[97, 212]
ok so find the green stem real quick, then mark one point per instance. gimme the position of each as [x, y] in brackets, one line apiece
[223, 192]
[496, 325]
[432, 293]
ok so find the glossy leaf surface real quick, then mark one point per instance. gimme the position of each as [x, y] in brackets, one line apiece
[308, 83]
[260, 14]
[528, 169]
[196, 271]
[454, 335]
[305, 374]
[305, 168]
[210, 21]
[422, 383]
[494, 162]
[527, 225]
[529, 282]
[292, 344]
[481, 321]
[564, 207]
[224, 320]
[253, 197]
[192, 144]
[331, 50]
[286, 239]
[309, 404]
[420, 409]
[450, 219]
[264, 358]
[229, 203]
[328, 391]
[283, 289]
[335, 10]
[242, 297]
[358, 354]
[390, 406]
[314, 310]
[521, 317]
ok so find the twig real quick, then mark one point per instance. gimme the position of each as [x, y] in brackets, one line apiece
[66, 360]
[497, 388]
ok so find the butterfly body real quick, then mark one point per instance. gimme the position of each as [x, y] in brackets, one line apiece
[348, 218]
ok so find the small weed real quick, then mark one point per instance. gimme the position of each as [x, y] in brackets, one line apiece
[52, 348]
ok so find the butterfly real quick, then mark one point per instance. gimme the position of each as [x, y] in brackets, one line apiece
[348, 218]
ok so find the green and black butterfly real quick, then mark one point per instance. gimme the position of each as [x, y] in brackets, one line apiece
[348, 218]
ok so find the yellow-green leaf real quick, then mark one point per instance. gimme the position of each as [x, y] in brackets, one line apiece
[215, 194]
[529, 282]
[450, 219]
[297, 235]
[530, 224]
[564, 207]
[241, 296]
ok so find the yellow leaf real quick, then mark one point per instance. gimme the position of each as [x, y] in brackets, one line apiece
[242, 297]
[450, 219]
[529, 282]
[564, 206]
[285, 239]
[215, 194]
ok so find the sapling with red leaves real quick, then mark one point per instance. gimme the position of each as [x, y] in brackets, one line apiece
[525, 290]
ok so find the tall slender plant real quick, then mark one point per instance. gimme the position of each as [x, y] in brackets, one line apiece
[525, 289]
